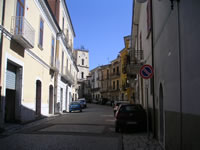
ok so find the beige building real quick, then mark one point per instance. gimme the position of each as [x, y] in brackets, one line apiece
[105, 81]
[35, 54]
[82, 62]
[96, 83]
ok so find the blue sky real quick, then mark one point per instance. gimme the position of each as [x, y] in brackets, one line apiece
[100, 26]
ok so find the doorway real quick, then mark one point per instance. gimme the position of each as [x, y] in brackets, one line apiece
[13, 92]
[61, 99]
[50, 99]
[38, 98]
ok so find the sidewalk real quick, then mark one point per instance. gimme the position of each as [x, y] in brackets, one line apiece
[11, 128]
[140, 142]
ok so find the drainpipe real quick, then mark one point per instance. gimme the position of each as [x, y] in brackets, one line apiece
[1, 50]
[56, 77]
[153, 89]
[180, 73]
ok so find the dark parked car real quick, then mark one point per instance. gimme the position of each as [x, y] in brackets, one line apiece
[117, 103]
[130, 116]
[74, 106]
[83, 103]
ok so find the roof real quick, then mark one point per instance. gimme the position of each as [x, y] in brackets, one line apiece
[69, 17]
[53, 16]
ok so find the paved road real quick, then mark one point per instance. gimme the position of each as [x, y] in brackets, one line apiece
[93, 129]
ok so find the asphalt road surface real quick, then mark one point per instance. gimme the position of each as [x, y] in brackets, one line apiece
[92, 129]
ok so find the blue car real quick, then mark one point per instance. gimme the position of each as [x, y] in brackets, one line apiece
[83, 103]
[74, 106]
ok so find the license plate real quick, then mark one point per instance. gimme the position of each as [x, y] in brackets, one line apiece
[132, 122]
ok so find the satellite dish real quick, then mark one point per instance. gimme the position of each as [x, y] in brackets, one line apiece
[141, 1]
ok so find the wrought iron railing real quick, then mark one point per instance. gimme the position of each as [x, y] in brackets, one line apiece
[21, 28]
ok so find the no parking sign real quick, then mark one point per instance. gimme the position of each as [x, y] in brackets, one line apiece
[146, 71]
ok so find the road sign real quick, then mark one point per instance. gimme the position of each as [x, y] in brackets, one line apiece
[146, 71]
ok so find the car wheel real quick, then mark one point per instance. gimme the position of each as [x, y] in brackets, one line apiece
[81, 110]
[70, 111]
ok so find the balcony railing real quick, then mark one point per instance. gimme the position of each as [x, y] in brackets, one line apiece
[68, 76]
[22, 31]
[135, 55]
[116, 74]
[134, 62]
[54, 64]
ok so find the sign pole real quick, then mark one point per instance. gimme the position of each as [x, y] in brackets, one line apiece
[146, 72]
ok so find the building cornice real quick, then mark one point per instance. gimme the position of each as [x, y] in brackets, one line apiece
[82, 50]
[68, 16]
[82, 66]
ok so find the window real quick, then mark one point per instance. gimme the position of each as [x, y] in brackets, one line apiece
[62, 62]
[107, 74]
[117, 84]
[63, 23]
[113, 70]
[82, 75]
[20, 7]
[41, 33]
[67, 65]
[113, 85]
[20, 12]
[82, 61]
[52, 51]
[117, 69]
[148, 17]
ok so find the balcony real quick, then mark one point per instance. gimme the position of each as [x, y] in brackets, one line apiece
[68, 76]
[115, 75]
[54, 64]
[64, 38]
[135, 62]
[22, 31]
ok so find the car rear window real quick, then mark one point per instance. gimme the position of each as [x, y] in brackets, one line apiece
[130, 108]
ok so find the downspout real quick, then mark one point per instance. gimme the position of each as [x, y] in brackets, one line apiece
[153, 89]
[180, 73]
[56, 76]
[1, 50]
[1, 44]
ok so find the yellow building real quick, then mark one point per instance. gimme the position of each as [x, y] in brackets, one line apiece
[127, 93]
[115, 79]
[38, 74]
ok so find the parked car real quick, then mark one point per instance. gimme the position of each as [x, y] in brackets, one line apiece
[83, 103]
[130, 116]
[95, 101]
[117, 103]
[74, 106]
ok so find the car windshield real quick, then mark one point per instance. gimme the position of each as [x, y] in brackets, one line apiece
[74, 103]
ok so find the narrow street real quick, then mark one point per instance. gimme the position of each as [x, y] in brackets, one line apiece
[93, 129]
